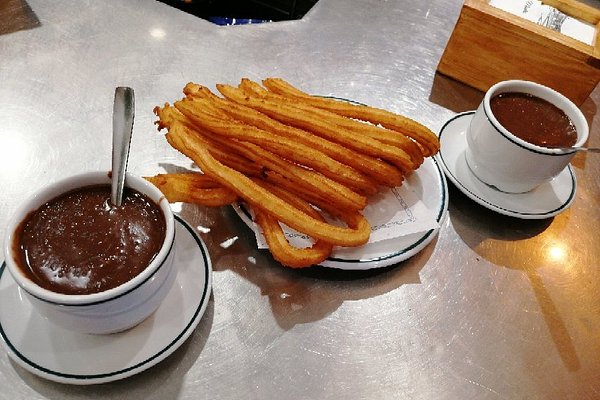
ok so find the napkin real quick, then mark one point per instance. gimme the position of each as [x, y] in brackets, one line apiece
[550, 17]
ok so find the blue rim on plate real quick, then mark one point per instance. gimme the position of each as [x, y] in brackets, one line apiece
[492, 198]
[158, 355]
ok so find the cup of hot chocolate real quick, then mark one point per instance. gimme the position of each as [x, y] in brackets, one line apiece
[86, 264]
[517, 136]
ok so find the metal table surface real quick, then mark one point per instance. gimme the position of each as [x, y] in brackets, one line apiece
[494, 308]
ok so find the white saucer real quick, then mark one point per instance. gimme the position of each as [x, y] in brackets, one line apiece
[68, 357]
[545, 201]
[431, 187]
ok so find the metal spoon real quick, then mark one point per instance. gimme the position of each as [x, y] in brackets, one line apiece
[571, 149]
[590, 149]
[123, 114]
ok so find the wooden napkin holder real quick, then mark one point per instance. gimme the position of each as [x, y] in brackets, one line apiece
[489, 45]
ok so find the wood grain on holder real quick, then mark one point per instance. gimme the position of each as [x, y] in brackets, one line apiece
[489, 45]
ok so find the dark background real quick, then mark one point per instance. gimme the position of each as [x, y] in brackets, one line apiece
[269, 10]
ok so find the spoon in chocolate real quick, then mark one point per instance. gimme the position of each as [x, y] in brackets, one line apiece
[571, 149]
[590, 149]
[123, 114]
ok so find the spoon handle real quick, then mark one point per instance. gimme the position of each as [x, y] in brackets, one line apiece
[123, 114]
[572, 149]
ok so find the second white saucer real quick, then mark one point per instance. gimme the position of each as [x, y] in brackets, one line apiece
[64, 356]
[545, 201]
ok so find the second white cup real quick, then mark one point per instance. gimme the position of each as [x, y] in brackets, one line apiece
[507, 162]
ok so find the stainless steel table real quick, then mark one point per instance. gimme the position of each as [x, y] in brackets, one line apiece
[487, 311]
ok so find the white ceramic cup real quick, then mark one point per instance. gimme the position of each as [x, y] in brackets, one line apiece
[507, 162]
[112, 310]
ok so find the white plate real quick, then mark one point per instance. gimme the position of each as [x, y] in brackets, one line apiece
[545, 201]
[430, 185]
[68, 357]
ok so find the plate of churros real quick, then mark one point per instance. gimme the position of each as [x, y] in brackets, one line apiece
[320, 167]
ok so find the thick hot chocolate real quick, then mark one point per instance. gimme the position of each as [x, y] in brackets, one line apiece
[79, 243]
[533, 119]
